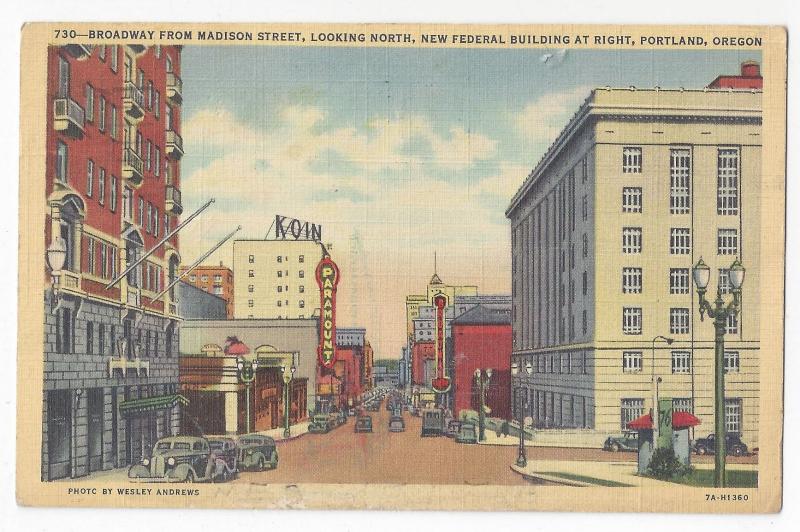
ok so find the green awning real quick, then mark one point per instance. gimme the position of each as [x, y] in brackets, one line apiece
[149, 404]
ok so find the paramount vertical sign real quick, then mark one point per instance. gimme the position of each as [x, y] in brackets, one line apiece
[327, 279]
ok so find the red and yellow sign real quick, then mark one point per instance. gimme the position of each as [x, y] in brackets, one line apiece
[441, 384]
[327, 279]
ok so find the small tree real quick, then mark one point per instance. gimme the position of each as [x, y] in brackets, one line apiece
[664, 465]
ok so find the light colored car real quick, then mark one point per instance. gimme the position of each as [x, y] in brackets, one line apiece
[177, 459]
[257, 452]
[396, 424]
[226, 454]
[467, 433]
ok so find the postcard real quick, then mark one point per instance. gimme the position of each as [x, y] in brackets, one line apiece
[402, 266]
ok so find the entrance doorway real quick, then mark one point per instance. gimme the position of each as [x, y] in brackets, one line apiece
[59, 437]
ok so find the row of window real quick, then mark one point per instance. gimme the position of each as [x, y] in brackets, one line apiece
[632, 361]
[280, 258]
[280, 273]
[633, 408]
[101, 258]
[679, 321]
[285, 303]
[285, 288]
[680, 241]
[204, 278]
[678, 281]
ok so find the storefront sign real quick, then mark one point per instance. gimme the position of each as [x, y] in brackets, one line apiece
[441, 383]
[327, 279]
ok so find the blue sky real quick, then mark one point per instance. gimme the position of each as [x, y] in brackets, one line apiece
[405, 151]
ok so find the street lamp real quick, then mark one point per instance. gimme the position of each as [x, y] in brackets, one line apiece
[482, 383]
[719, 312]
[654, 385]
[522, 460]
[56, 258]
[247, 374]
[287, 379]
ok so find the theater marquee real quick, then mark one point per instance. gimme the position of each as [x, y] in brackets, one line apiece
[327, 279]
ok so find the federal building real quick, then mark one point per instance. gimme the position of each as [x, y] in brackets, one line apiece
[639, 185]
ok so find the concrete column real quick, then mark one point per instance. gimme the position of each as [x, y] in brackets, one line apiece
[231, 413]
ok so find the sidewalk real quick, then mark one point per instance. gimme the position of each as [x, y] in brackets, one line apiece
[586, 473]
[296, 431]
[549, 438]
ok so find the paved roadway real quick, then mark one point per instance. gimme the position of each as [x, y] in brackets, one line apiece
[344, 457]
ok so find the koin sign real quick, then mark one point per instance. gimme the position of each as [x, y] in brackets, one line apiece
[327, 279]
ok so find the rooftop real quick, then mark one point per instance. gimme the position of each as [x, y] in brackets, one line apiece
[485, 315]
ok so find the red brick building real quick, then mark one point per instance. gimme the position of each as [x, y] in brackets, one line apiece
[482, 340]
[217, 280]
[749, 78]
[423, 356]
[113, 151]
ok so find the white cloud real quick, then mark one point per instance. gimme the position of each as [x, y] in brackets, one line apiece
[541, 120]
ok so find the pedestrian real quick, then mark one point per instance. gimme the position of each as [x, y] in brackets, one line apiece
[505, 428]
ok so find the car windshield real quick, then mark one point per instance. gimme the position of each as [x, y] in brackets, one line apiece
[181, 446]
[250, 441]
[216, 445]
[163, 446]
[468, 429]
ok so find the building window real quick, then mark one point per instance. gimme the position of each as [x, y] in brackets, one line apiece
[585, 286]
[102, 53]
[631, 239]
[89, 111]
[101, 187]
[90, 255]
[631, 409]
[302, 304]
[127, 203]
[204, 278]
[89, 338]
[193, 278]
[584, 169]
[89, 177]
[218, 278]
[103, 261]
[301, 258]
[101, 339]
[280, 288]
[679, 280]
[727, 242]
[62, 162]
[148, 161]
[149, 217]
[733, 416]
[113, 194]
[584, 322]
[585, 245]
[731, 361]
[585, 208]
[250, 303]
[632, 320]
[631, 280]
[632, 361]
[218, 290]
[632, 199]
[157, 104]
[149, 95]
[680, 162]
[728, 181]
[280, 273]
[679, 321]
[65, 331]
[732, 327]
[251, 259]
[682, 404]
[250, 288]
[631, 160]
[301, 289]
[101, 125]
[681, 362]
[280, 258]
[301, 274]
[722, 281]
[157, 162]
[251, 273]
[680, 241]
[279, 303]
[113, 131]
[63, 77]
[114, 57]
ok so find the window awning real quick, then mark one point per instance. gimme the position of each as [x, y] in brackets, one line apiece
[150, 404]
[680, 420]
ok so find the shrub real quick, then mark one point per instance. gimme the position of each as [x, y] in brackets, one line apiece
[664, 465]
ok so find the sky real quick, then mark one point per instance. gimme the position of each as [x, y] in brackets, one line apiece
[398, 153]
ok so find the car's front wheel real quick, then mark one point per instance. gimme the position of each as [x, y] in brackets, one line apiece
[700, 450]
[189, 477]
[615, 447]
[273, 461]
[737, 451]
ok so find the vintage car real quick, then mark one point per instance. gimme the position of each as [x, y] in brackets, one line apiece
[452, 429]
[363, 424]
[226, 453]
[177, 459]
[733, 445]
[432, 422]
[467, 433]
[257, 452]
[323, 423]
[396, 424]
[374, 406]
[628, 441]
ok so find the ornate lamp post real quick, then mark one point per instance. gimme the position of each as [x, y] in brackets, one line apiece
[482, 379]
[56, 258]
[247, 374]
[522, 460]
[719, 312]
[287, 379]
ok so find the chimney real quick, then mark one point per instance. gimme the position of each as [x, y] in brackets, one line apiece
[751, 69]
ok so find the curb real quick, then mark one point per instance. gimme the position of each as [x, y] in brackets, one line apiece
[547, 478]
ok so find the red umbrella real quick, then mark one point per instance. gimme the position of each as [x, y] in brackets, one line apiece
[680, 420]
[235, 347]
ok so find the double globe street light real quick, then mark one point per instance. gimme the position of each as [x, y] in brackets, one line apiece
[247, 374]
[522, 460]
[482, 379]
[720, 312]
[288, 375]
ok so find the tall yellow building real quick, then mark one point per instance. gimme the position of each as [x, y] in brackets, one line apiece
[275, 279]
[605, 230]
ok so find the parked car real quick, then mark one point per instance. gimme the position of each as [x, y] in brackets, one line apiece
[257, 452]
[396, 424]
[363, 424]
[323, 423]
[177, 459]
[432, 422]
[733, 445]
[467, 433]
[341, 418]
[452, 428]
[374, 406]
[628, 441]
[226, 452]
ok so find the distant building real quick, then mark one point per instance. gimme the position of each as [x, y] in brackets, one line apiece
[216, 280]
[482, 340]
[351, 376]
[275, 279]
[605, 231]
[196, 304]
[750, 78]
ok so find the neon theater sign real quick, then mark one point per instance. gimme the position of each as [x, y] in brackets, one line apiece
[327, 279]
[440, 384]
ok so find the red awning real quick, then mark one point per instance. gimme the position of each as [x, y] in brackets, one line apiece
[680, 420]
